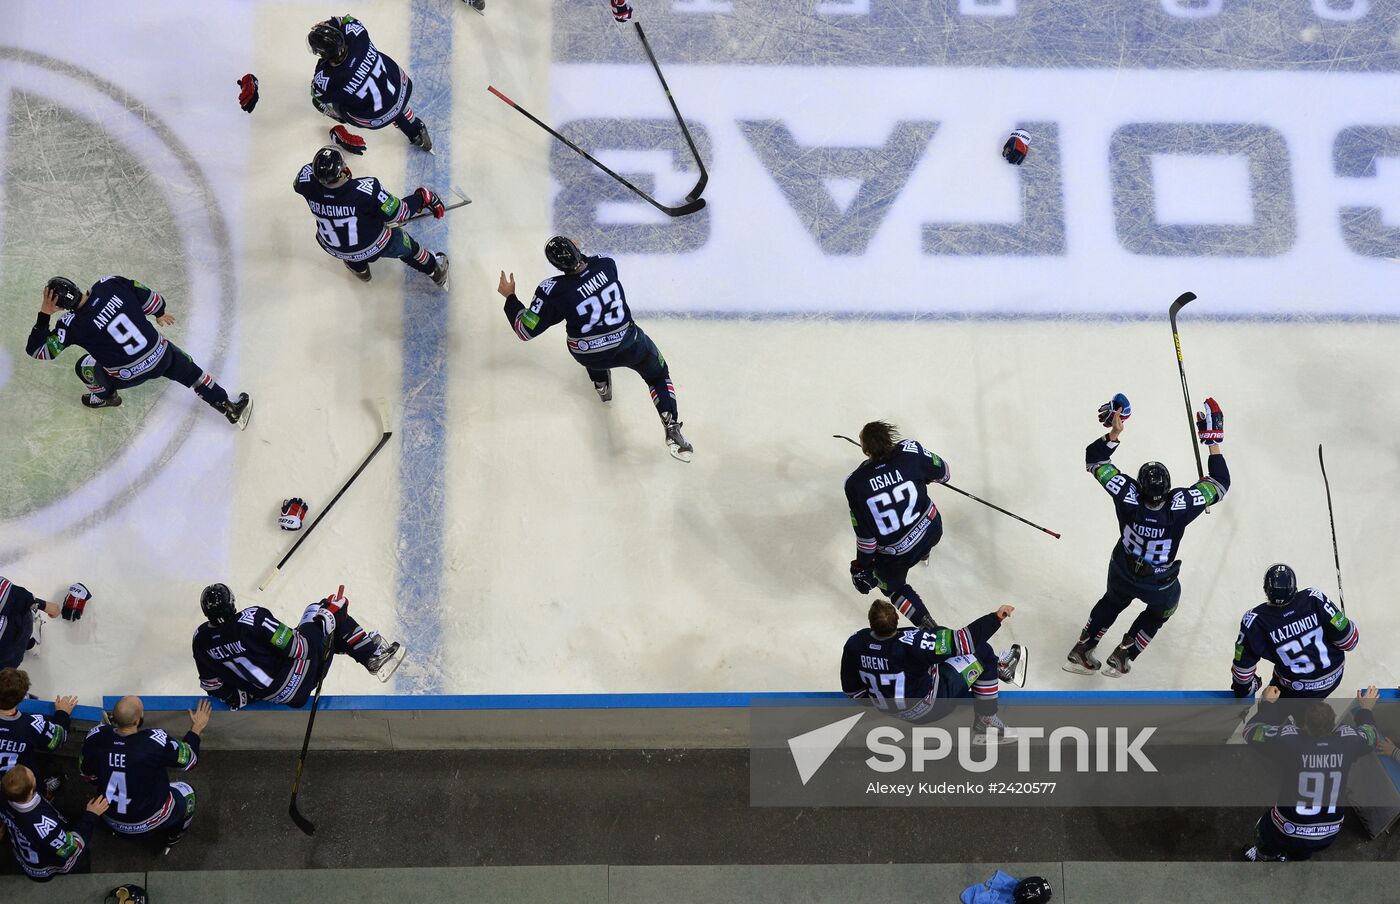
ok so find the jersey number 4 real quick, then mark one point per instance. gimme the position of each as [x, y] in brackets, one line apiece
[592, 308]
[884, 508]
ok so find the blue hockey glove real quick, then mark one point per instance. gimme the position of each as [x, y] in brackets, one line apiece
[863, 579]
[1118, 403]
[1210, 424]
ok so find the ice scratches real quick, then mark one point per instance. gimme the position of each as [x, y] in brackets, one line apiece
[76, 203]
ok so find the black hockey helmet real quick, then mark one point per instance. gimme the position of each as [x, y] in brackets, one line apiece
[1280, 584]
[1032, 890]
[67, 294]
[328, 166]
[327, 41]
[1155, 481]
[563, 254]
[217, 603]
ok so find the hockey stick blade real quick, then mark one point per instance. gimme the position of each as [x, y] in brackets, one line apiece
[680, 120]
[450, 207]
[678, 211]
[1182, 301]
[302, 822]
[386, 426]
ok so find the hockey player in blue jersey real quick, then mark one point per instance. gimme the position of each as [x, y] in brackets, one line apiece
[20, 629]
[1152, 519]
[895, 520]
[916, 675]
[29, 739]
[124, 350]
[358, 220]
[1301, 632]
[129, 765]
[43, 842]
[601, 335]
[1312, 759]
[247, 656]
[355, 82]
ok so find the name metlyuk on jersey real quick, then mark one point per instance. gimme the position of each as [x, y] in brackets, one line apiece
[1114, 749]
[1293, 629]
[881, 481]
[224, 651]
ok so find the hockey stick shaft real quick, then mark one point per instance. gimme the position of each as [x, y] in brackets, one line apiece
[1331, 519]
[1182, 301]
[301, 821]
[383, 440]
[680, 120]
[687, 208]
[989, 505]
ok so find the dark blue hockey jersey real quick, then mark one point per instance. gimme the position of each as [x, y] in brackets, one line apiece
[253, 657]
[367, 88]
[1312, 771]
[16, 622]
[44, 843]
[353, 220]
[891, 510]
[1307, 641]
[111, 326]
[900, 673]
[590, 304]
[1151, 538]
[130, 771]
[24, 736]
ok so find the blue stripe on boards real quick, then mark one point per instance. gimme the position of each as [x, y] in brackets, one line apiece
[422, 499]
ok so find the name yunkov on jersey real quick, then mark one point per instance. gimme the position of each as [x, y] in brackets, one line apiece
[255, 656]
[367, 88]
[900, 673]
[111, 326]
[1151, 538]
[43, 842]
[891, 510]
[1313, 770]
[590, 303]
[1306, 640]
[131, 772]
[24, 736]
[353, 220]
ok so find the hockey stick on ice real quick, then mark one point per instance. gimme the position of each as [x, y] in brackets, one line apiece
[453, 206]
[972, 497]
[302, 822]
[691, 206]
[680, 120]
[1336, 555]
[388, 431]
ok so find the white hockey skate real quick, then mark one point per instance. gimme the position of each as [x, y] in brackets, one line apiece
[1013, 665]
[991, 730]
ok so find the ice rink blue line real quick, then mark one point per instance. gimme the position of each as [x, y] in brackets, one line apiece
[440, 702]
[422, 494]
[1302, 319]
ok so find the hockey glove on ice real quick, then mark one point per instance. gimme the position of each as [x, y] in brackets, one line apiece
[293, 511]
[75, 602]
[863, 579]
[1016, 147]
[431, 202]
[336, 601]
[1210, 424]
[348, 140]
[248, 92]
[621, 11]
[1120, 404]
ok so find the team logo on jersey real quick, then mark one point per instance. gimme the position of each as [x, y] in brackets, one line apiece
[48, 487]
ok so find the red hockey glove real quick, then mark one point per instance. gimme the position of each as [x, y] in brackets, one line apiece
[75, 601]
[348, 140]
[431, 202]
[1210, 424]
[293, 511]
[248, 92]
[1016, 147]
[621, 10]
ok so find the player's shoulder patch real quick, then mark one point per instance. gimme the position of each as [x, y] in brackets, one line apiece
[39, 723]
[306, 174]
[1249, 617]
[908, 636]
[547, 286]
[369, 186]
[321, 80]
[94, 730]
[160, 737]
[67, 318]
[248, 616]
[912, 445]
